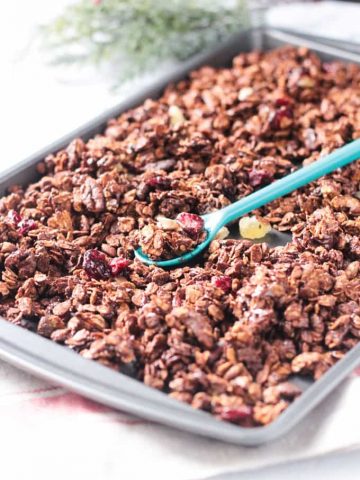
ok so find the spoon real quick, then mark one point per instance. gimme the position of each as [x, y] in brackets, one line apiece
[214, 221]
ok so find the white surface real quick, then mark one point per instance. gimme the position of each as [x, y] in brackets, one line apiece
[38, 105]
[62, 436]
[321, 468]
[335, 20]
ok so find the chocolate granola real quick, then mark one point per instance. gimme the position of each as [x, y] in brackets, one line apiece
[167, 238]
[228, 333]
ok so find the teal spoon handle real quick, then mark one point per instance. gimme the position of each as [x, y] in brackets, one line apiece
[337, 159]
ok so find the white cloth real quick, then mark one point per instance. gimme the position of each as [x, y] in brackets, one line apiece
[47, 432]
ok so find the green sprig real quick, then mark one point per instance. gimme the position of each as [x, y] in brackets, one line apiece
[144, 32]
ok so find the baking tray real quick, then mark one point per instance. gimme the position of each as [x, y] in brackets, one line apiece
[348, 45]
[62, 366]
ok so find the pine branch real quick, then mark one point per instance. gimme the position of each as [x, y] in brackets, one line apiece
[145, 32]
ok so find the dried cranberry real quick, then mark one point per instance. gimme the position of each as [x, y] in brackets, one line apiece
[96, 265]
[14, 217]
[282, 102]
[161, 183]
[191, 223]
[118, 264]
[236, 415]
[259, 177]
[280, 118]
[26, 225]
[223, 282]
[23, 225]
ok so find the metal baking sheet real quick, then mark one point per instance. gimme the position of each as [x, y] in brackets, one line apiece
[62, 366]
[348, 45]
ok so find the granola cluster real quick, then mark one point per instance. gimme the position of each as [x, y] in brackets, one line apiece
[167, 238]
[227, 333]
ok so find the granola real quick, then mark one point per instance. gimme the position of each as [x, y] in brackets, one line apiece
[227, 333]
[167, 238]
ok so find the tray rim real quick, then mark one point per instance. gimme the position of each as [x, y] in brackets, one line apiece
[22, 348]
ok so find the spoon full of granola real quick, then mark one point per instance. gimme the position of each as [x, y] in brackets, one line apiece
[191, 234]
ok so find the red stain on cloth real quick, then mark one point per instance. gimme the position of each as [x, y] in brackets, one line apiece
[73, 403]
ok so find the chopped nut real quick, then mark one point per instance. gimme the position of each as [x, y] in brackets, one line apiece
[244, 93]
[223, 233]
[167, 223]
[176, 116]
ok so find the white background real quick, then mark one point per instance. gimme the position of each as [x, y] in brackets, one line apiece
[38, 103]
